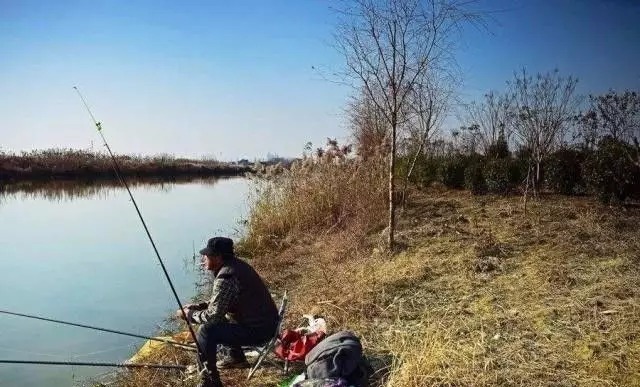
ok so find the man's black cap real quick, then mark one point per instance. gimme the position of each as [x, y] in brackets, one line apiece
[218, 246]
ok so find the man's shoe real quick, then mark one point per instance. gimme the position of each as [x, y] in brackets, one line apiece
[230, 362]
[208, 381]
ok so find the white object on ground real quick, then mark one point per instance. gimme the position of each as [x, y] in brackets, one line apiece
[297, 379]
[314, 324]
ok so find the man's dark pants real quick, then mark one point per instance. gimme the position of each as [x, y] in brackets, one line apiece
[232, 335]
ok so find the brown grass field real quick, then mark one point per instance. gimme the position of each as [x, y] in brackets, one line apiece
[479, 293]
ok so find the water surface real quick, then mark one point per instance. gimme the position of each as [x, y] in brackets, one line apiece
[79, 253]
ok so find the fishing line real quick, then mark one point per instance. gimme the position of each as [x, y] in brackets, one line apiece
[81, 355]
[116, 168]
[29, 316]
[27, 352]
[96, 364]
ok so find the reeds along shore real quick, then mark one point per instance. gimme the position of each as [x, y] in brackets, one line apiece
[83, 164]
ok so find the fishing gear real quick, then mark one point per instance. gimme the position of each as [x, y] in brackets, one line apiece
[177, 344]
[91, 364]
[116, 168]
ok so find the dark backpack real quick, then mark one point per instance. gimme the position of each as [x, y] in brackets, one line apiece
[338, 356]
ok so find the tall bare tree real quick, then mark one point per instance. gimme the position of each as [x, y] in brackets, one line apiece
[616, 115]
[612, 114]
[493, 116]
[391, 45]
[545, 106]
[428, 106]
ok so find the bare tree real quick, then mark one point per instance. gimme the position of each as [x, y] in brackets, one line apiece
[545, 105]
[389, 47]
[429, 103]
[493, 116]
[368, 126]
[612, 114]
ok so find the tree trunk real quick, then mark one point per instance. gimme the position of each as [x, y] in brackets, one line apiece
[392, 165]
[526, 188]
[410, 171]
[415, 157]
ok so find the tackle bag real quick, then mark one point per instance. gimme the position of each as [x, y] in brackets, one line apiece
[338, 356]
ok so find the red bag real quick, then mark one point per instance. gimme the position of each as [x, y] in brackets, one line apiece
[293, 345]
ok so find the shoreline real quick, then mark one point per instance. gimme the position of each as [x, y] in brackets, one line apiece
[68, 164]
[476, 284]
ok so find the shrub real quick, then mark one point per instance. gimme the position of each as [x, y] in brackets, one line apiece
[498, 175]
[499, 149]
[517, 172]
[564, 171]
[452, 170]
[474, 178]
[427, 171]
[521, 164]
[610, 173]
[424, 172]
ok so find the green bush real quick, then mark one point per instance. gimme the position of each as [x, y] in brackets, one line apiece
[474, 178]
[563, 171]
[424, 172]
[498, 175]
[610, 173]
[427, 171]
[499, 149]
[517, 172]
[402, 166]
[521, 163]
[452, 170]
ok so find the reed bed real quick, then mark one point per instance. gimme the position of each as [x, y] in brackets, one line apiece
[82, 164]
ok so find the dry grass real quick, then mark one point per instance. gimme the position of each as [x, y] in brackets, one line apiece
[480, 295]
[556, 305]
[316, 196]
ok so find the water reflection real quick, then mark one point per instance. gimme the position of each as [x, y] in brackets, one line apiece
[67, 190]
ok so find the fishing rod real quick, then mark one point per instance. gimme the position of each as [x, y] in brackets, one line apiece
[91, 364]
[116, 168]
[177, 344]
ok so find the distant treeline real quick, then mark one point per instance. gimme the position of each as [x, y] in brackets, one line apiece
[82, 164]
[510, 145]
[609, 171]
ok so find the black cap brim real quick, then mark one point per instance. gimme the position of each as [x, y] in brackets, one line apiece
[206, 251]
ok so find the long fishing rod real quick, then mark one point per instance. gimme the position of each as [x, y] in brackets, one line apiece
[177, 344]
[116, 168]
[90, 364]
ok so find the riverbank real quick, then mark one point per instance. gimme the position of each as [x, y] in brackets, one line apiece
[86, 165]
[479, 294]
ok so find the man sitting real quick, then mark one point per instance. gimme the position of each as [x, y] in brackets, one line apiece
[240, 311]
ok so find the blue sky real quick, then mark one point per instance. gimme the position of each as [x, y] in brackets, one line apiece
[236, 79]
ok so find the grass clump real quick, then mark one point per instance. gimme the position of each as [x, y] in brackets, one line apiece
[317, 195]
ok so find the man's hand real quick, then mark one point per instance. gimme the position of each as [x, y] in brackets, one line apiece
[181, 315]
[199, 306]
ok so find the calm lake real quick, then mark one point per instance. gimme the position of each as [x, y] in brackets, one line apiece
[80, 254]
